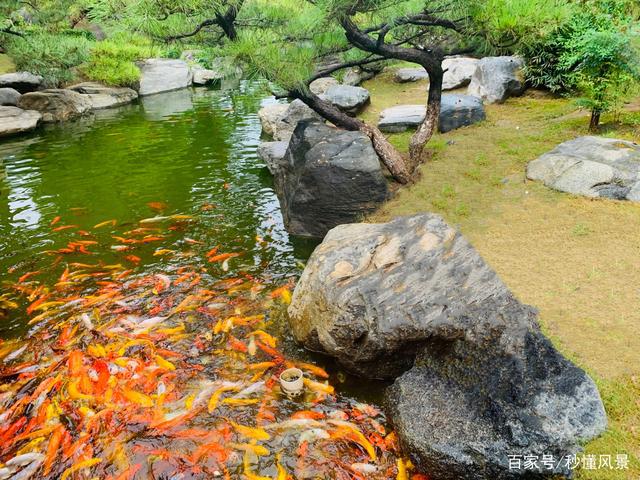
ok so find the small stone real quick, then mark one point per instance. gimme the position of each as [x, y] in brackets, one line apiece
[9, 97]
[347, 98]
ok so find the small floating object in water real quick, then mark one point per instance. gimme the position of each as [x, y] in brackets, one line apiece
[292, 382]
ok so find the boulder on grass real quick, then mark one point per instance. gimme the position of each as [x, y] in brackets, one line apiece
[347, 98]
[458, 71]
[456, 111]
[9, 97]
[23, 82]
[56, 105]
[480, 380]
[272, 154]
[591, 166]
[101, 96]
[498, 78]
[327, 177]
[159, 75]
[279, 120]
[14, 120]
[321, 85]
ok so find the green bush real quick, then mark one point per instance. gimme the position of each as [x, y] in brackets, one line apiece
[54, 56]
[113, 61]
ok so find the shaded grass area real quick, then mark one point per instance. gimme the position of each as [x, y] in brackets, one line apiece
[6, 64]
[576, 259]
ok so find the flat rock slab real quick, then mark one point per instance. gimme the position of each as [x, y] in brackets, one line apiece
[159, 75]
[56, 105]
[14, 120]
[498, 78]
[456, 111]
[23, 82]
[480, 380]
[591, 166]
[101, 96]
[9, 97]
[404, 75]
[347, 98]
[272, 153]
[327, 177]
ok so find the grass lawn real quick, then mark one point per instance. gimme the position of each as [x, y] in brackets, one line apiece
[577, 260]
[6, 64]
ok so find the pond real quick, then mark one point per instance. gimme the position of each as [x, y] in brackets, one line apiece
[146, 272]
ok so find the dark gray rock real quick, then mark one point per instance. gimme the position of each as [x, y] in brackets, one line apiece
[481, 381]
[101, 96]
[456, 111]
[327, 177]
[459, 111]
[56, 105]
[591, 166]
[14, 120]
[23, 82]
[347, 98]
[498, 78]
[9, 97]
[272, 154]
[159, 75]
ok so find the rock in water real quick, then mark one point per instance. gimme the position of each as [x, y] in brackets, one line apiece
[459, 111]
[23, 82]
[279, 120]
[101, 96]
[272, 153]
[14, 120]
[203, 77]
[327, 177]
[56, 105]
[163, 75]
[458, 71]
[481, 382]
[321, 85]
[497, 78]
[9, 97]
[347, 98]
[591, 166]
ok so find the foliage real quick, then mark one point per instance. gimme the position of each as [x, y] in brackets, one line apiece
[113, 61]
[54, 56]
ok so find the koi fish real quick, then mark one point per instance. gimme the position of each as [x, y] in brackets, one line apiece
[356, 434]
[79, 466]
[251, 432]
[318, 387]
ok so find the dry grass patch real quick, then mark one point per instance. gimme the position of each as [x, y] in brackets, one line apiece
[6, 64]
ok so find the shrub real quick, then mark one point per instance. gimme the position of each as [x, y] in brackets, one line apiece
[54, 56]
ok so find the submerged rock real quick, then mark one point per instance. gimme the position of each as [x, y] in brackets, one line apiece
[163, 75]
[481, 381]
[56, 105]
[347, 98]
[456, 111]
[591, 166]
[498, 78]
[327, 177]
[101, 96]
[23, 82]
[9, 97]
[279, 120]
[14, 120]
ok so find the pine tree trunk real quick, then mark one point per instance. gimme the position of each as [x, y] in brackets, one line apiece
[427, 128]
[595, 121]
[388, 154]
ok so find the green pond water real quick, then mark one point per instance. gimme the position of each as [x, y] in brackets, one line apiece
[187, 152]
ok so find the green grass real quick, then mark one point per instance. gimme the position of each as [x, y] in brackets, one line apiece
[6, 64]
[575, 259]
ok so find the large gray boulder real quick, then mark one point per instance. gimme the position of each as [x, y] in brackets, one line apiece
[159, 75]
[456, 111]
[101, 96]
[14, 120]
[327, 177]
[23, 82]
[458, 71]
[56, 105]
[321, 85]
[591, 166]
[481, 382]
[459, 111]
[404, 75]
[279, 120]
[9, 97]
[347, 98]
[498, 78]
[272, 154]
